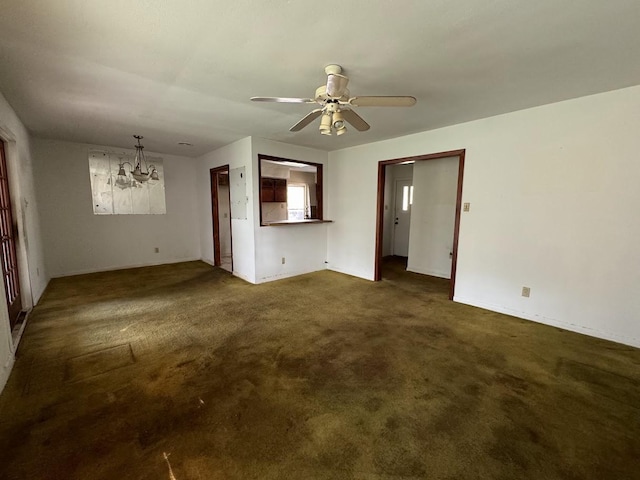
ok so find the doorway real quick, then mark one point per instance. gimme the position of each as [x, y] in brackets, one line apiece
[456, 203]
[221, 218]
[8, 241]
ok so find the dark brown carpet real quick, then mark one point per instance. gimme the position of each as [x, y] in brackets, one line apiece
[322, 376]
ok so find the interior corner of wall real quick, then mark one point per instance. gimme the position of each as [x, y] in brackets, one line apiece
[208, 261]
[36, 293]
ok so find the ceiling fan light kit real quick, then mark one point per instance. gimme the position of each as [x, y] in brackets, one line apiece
[325, 124]
[335, 104]
[338, 123]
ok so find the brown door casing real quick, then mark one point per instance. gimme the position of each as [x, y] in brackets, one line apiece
[215, 213]
[8, 240]
[380, 208]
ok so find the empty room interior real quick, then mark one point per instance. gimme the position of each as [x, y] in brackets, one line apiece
[337, 240]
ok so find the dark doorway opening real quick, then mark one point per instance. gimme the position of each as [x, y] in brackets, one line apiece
[221, 217]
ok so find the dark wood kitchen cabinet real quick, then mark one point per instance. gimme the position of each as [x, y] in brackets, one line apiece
[281, 190]
[273, 190]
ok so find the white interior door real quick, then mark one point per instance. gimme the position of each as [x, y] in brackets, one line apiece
[402, 219]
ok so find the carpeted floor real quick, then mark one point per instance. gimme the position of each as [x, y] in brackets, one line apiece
[322, 376]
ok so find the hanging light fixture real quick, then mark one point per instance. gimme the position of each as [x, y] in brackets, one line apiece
[141, 173]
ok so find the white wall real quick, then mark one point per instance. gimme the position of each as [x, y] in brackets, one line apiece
[33, 274]
[77, 241]
[433, 214]
[553, 193]
[392, 173]
[303, 246]
[274, 212]
[236, 155]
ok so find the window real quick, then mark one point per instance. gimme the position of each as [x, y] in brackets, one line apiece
[407, 197]
[297, 203]
[290, 190]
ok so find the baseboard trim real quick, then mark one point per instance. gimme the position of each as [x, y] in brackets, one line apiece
[431, 273]
[125, 267]
[18, 329]
[208, 262]
[234, 273]
[6, 371]
[282, 276]
[350, 273]
[591, 332]
[243, 277]
[36, 296]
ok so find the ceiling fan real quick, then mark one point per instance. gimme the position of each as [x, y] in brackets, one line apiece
[336, 104]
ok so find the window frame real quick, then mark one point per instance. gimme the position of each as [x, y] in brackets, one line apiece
[319, 189]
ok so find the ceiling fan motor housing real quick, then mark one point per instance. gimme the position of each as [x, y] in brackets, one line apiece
[322, 96]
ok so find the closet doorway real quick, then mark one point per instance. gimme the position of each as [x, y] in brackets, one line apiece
[221, 216]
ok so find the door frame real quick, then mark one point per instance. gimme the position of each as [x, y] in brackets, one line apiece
[377, 273]
[14, 308]
[22, 197]
[215, 214]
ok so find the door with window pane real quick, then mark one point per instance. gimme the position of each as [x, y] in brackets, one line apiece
[8, 240]
[402, 222]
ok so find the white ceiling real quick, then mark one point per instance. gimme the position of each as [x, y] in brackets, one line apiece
[99, 71]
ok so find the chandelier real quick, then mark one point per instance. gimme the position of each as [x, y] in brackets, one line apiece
[141, 173]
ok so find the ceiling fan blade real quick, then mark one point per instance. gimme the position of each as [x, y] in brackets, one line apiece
[310, 117]
[354, 119]
[282, 100]
[336, 85]
[382, 101]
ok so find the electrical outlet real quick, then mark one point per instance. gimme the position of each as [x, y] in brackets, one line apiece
[466, 207]
[157, 250]
[526, 292]
[283, 260]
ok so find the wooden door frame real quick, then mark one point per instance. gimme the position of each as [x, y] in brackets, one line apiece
[377, 275]
[215, 214]
[15, 307]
